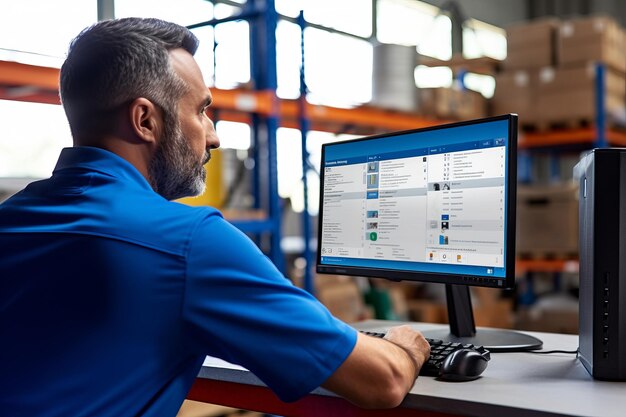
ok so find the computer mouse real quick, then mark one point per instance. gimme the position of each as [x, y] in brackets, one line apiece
[462, 365]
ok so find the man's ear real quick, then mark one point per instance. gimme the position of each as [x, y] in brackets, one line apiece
[146, 120]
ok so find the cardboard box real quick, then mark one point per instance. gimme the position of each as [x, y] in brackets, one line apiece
[495, 312]
[551, 80]
[592, 39]
[547, 220]
[569, 94]
[556, 313]
[514, 94]
[578, 105]
[427, 311]
[554, 321]
[490, 309]
[531, 57]
[531, 44]
[452, 103]
[534, 32]
[342, 297]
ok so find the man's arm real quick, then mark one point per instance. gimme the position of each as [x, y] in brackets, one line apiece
[380, 372]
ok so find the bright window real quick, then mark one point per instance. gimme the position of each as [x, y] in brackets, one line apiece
[289, 8]
[288, 162]
[205, 55]
[339, 76]
[437, 42]
[26, 152]
[288, 57]
[484, 84]
[352, 16]
[232, 54]
[233, 135]
[433, 77]
[290, 167]
[482, 39]
[39, 32]
[224, 10]
[184, 12]
[410, 22]
[338, 68]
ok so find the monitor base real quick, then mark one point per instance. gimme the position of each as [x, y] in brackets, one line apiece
[495, 340]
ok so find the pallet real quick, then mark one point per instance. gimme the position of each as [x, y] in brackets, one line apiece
[548, 256]
[569, 124]
[546, 126]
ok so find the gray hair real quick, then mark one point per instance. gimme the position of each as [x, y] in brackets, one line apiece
[114, 62]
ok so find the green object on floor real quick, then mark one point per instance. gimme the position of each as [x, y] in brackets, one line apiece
[381, 301]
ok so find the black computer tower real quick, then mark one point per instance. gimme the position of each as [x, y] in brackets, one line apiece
[602, 217]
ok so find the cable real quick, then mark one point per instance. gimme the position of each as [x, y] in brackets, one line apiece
[545, 352]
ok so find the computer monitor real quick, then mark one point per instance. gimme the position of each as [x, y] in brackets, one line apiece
[435, 204]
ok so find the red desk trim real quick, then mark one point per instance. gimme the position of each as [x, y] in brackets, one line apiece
[257, 398]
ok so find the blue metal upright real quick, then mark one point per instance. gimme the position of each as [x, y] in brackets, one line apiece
[601, 139]
[263, 20]
[263, 72]
[524, 167]
[304, 130]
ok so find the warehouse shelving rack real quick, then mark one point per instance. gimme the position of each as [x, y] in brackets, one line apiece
[262, 108]
[598, 135]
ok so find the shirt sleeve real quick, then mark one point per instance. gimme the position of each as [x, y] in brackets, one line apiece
[242, 309]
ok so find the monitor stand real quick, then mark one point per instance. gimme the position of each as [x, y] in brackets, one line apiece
[463, 329]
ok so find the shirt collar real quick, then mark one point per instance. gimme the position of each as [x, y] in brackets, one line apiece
[101, 160]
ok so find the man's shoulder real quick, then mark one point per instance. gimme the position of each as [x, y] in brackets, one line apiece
[162, 224]
[105, 208]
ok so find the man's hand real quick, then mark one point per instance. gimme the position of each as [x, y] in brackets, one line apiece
[413, 342]
[380, 372]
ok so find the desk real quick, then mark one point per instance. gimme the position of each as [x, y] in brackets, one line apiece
[513, 385]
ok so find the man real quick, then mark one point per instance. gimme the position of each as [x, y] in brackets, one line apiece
[111, 295]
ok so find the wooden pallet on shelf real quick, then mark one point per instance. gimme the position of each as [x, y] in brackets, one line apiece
[546, 265]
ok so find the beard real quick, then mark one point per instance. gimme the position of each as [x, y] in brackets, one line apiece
[175, 170]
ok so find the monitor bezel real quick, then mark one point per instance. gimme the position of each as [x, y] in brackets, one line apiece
[506, 282]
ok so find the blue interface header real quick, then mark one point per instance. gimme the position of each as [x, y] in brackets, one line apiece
[430, 142]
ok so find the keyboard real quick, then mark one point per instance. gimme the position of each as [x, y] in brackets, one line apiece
[439, 351]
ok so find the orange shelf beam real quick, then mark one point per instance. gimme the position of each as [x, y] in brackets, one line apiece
[22, 75]
[569, 137]
[265, 103]
[546, 265]
[40, 84]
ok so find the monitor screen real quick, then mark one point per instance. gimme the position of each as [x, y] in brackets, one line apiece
[434, 204]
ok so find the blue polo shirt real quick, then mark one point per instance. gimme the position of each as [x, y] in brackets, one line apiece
[111, 296]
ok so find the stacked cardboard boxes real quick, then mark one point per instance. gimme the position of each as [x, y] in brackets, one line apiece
[342, 297]
[547, 220]
[550, 71]
[531, 46]
[514, 94]
[569, 94]
[596, 38]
